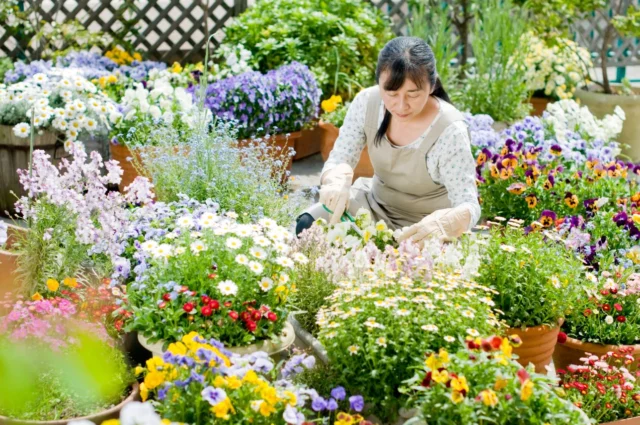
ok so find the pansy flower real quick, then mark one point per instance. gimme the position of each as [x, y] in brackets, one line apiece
[571, 200]
[556, 150]
[550, 182]
[547, 218]
[532, 200]
[517, 188]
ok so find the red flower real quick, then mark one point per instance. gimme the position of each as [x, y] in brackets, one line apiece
[427, 380]
[486, 345]
[614, 290]
[212, 276]
[162, 304]
[606, 307]
[605, 292]
[184, 289]
[496, 342]
[188, 307]
[256, 315]
[587, 312]
[245, 316]
[251, 325]
[214, 304]
[272, 316]
[205, 299]
[523, 375]
[621, 319]
[233, 315]
[617, 306]
[166, 297]
[227, 304]
[562, 338]
[206, 311]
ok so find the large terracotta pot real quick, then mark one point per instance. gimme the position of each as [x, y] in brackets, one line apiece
[283, 142]
[329, 137]
[120, 153]
[112, 413]
[14, 155]
[573, 349]
[629, 421]
[539, 105]
[537, 346]
[9, 261]
[601, 104]
[309, 142]
[273, 349]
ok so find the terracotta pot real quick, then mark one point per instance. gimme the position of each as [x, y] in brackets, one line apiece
[14, 155]
[309, 142]
[120, 153]
[329, 137]
[573, 349]
[629, 421]
[601, 104]
[9, 260]
[539, 105]
[112, 413]
[281, 141]
[273, 349]
[537, 346]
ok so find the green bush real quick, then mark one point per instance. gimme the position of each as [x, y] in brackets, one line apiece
[338, 40]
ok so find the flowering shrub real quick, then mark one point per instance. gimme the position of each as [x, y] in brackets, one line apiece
[375, 326]
[67, 104]
[534, 276]
[604, 387]
[198, 381]
[280, 101]
[483, 384]
[556, 70]
[607, 311]
[215, 276]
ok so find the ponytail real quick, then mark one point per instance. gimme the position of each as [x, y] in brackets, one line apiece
[440, 92]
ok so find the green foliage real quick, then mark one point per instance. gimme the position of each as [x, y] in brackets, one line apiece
[6, 64]
[337, 116]
[496, 85]
[331, 37]
[628, 24]
[552, 17]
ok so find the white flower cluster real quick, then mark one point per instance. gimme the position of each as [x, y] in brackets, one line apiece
[61, 102]
[568, 116]
[236, 61]
[558, 69]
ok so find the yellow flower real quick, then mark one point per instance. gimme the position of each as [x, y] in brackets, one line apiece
[111, 79]
[293, 400]
[500, 384]
[111, 422]
[506, 347]
[144, 392]
[440, 377]
[266, 409]
[456, 397]
[138, 370]
[233, 382]
[489, 398]
[219, 382]
[154, 379]
[433, 363]
[154, 364]
[444, 356]
[331, 104]
[36, 297]
[71, 282]
[221, 410]
[137, 56]
[53, 285]
[460, 384]
[176, 68]
[526, 390]
[269, 394]
[251, 377]
[177, 348]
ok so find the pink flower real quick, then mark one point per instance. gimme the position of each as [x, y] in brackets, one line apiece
[66, 307]
[43, 307]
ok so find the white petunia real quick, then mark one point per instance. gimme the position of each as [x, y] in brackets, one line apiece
[227, 287]
[265, 284]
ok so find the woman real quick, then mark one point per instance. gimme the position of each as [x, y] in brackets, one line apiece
[424, 172]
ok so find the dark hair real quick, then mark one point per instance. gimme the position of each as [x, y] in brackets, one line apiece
[408, 57]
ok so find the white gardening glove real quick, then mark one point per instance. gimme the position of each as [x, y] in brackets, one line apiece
[443, 224]
[334, 192]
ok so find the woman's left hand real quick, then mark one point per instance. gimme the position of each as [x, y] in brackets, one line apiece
[443, 224]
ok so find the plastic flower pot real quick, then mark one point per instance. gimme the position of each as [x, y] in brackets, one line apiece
[537, 346]
[274, 349]
[111, 413]
[573, 349]
[601, 104]
[14, 155]
[629, 421]
[329, 137]
[539, 105]
[9, 261]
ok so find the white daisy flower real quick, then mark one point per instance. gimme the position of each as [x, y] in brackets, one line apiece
[242, 259]
[68, 144]
[256, 267]
[234, 243]
[507, 248]
[227, 287]
[91, 124]
[267, 223]
[40, 78]
[331, 335]
[285, 262]
[180, 250]
[231, 214]
[258, 252]
[185, 221]
[429, 328]
[353, 349]
[66, 94]
[244, 231]
[163, 250]
[149, 245]
[197, 247]
[284, 278]
[61, 124]
[382, 341]
[555, 282]
[22, 130]
[333, 325]
[468, 314]
[262, 241]
[80, 106]
[449, 338]
[75, 125]
[300, 258]
[472, 332]
[281, 247]
[402, 312]
[265, 284]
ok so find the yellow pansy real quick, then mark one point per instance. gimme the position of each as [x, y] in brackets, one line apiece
[266, 409]
[489, 398]
[233, 382]
[506, 347]
[111, 79]
[219, 382]
[52, 285]
[71, 282]
[222, 409]
[111, 422]
[36, 297]
[144, 392]
[460, 384]
[269, 394]
[155, 363]
[456, 397]
[138, 370]
[154, 379]
[526, 390]
[440, 377]
[251, 377]
[177, 348]
[433, 362]
[176, 68]
[500, 384]
[331, 104]
[293, 400]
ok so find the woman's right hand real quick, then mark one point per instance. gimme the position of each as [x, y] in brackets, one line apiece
[334, 192]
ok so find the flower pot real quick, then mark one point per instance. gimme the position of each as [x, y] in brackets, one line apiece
[14, 155]
[309, 143]
[573, 349]
[364, 168]
[120, 153]
[305, 340]
[629, 421]
[111, 413]
[539, 105]
[537, 346]
[282, 141]
[274, 349]
[9, 261]
[601, 104]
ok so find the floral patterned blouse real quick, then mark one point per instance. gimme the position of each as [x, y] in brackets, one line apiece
[449, 162]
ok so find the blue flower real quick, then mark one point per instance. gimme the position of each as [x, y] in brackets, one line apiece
[356, 402]
[338, 393]
[319, 404]
[213, 395]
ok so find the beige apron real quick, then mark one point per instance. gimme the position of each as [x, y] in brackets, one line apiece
[401, 191]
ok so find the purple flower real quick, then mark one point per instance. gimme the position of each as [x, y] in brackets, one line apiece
[338, 393]
[292, 416]
[213, 395]
[318, 404]
[356, 402]
[332, 404]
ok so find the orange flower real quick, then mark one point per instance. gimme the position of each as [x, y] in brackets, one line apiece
[71, 282]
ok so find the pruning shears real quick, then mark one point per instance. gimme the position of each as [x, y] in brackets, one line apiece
[346, 217]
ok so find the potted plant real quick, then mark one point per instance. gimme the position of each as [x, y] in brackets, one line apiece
[483, 384]
[378, 322]
[604, 388]
[534, 277]
[278, 103]
[604, 319]
[9, 235]
[604, 100]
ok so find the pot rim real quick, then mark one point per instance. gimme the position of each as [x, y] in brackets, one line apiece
[574, 342]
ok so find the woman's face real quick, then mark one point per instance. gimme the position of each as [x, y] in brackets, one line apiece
[408, 101]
